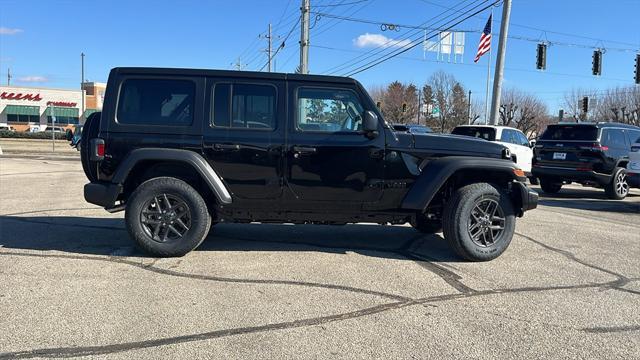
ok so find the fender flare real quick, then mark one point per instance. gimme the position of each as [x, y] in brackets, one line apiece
[438, 171]
[194, 159]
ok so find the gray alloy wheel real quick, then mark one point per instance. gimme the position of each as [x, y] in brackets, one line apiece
[165, 217]
[486, 222]
[618, 188]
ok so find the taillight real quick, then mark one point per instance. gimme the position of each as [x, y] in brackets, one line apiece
[635, 149]
[97, 149]
[595, 147]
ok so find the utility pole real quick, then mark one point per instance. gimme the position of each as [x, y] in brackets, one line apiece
[269, 38]
[499, 73]
[469, 108]
[8, 76]
[82, 83]
[238, 64]
[419, 104]
[304, 37]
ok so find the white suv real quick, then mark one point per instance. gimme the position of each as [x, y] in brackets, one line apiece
[512, 138]
[633, 166]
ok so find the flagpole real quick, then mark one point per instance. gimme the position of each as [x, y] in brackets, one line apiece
[486, 98]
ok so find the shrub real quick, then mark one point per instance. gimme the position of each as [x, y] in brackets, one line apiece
[29, 135]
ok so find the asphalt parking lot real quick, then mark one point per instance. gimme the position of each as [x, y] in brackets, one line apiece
[72, 284]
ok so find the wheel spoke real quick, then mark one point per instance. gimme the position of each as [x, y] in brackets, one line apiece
[181, 223]
[150, 221]
[174, 231]
[156, 231]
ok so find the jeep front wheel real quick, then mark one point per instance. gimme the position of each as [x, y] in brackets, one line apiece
[479, 222]
[167, 217]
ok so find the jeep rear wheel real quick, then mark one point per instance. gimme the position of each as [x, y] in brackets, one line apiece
[167, 217]
[479, 222]
[550, 186]
[618, 188]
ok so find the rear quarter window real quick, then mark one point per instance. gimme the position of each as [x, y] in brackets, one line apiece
[156, 102]
[570, 132]
[486, 133]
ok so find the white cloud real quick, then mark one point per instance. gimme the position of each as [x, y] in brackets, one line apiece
[378, 40]
[33, 79]
[9, 31]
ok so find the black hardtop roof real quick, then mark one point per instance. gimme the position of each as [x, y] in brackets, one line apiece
[600, 124]
[231, 73]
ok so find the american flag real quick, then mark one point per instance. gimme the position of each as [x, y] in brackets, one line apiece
[485, 41]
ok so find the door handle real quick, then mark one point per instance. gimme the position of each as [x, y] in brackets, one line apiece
[305, 149]
[226, 147]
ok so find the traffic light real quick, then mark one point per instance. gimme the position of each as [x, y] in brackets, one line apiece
[596, 69]
[541, 56]
[637, 76]
[404, 107]
[560, 115]
[585, 104]
[379, 104]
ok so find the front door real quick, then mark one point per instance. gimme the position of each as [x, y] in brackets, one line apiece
[329, 158]
[244, 137]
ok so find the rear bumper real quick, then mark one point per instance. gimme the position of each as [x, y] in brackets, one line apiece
[102, 193]
[525, 197]
[569, 174]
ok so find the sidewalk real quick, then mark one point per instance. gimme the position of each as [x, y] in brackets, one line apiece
[36, 148]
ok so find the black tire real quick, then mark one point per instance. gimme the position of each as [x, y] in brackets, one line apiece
[618, 188]
[533, 180]
[89, 131]
[151, 195]
[460, 219]
[550, 186]
[427, 226]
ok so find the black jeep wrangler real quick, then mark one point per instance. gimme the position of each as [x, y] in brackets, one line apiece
[592, 154]
[182, 149]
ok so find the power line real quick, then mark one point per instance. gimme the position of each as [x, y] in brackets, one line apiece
[412, 43]
[545, 30]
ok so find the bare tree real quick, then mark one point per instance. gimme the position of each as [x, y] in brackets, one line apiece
[524, 111]
[572, 104]
[400, 103]
[620, 104]
[450, 100]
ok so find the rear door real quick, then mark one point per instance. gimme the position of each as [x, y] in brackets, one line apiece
[617, 147]
[568, 146]
[244, 135]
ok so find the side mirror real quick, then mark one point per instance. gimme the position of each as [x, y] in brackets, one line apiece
[532, 144]
[370, 124]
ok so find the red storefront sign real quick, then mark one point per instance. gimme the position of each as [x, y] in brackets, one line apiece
[61, 103]
[20, 96]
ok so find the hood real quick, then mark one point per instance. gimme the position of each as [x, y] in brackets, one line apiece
[457, 145]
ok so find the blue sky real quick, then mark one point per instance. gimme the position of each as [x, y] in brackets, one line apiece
[41, 40]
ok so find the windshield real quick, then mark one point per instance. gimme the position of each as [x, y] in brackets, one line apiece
[570, 132]
[481, 132]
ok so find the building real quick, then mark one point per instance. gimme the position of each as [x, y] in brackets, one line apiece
[33, 109]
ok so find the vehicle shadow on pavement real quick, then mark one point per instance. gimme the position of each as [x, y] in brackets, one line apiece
[108, 236]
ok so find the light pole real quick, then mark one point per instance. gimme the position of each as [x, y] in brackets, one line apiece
[82, 85]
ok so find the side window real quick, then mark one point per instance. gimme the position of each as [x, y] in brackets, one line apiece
[244, 106]
[634, 136]
[156, 102]
[522, 139]
[328, 110]
[614, 138]
[507, 136]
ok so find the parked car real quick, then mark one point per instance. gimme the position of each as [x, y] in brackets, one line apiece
[184, 153]
[412, 128]
[592, 154]
[514, 139]
[5, 127]
[633, 166]
[55, 129]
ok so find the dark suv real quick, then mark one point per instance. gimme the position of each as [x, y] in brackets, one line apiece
[592, 154]
[181, 149]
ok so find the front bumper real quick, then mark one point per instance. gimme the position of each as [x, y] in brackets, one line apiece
[569, 174]
[524, 198]
[103, 194]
